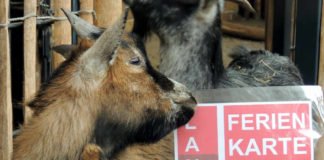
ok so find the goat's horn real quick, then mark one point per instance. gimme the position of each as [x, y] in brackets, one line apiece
[244, 3]
[83, 28]
[110, 39]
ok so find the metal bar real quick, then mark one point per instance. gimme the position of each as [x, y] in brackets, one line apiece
[308, 38]
[282, 27]
[45, 35]
[321, 58]
[75, 7]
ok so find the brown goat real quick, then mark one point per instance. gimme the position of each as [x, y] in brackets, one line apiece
[159, 151]
[109, 96]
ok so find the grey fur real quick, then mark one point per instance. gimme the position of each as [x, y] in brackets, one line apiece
[259, 68]
[191, 48]
[190, 38]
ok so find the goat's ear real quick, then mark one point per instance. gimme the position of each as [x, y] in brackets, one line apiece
[83, 28]
[245, 4]
[65, 50]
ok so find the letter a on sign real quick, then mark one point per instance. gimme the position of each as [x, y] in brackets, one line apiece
[198, 139]
[192, 145]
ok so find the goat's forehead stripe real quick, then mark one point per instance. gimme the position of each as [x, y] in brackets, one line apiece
[124, 44]
[165, 83]
[159, 78]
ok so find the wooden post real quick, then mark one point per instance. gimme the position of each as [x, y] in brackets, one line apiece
[319, 154]
[258, 9]
[86, 5]
[245, 31]
[107, 11]
[30, 55]
[321, 54]
[5, 86]
[62, 33]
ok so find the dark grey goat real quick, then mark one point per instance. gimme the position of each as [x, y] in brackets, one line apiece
[259, 68]
[190, 35]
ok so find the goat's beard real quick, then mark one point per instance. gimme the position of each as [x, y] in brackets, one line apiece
[153, 126]
[184, 116]
[157, 125]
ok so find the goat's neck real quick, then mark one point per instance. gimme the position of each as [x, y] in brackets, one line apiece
[59, 132]
[191, 54]
[110, 136]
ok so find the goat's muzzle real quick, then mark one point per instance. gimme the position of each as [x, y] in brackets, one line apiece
[189, 102]
[187, 110]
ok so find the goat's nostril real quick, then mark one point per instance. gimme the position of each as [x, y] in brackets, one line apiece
[194, 100]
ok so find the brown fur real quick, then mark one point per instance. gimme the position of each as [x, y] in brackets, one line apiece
[163, 150]
[70, 104]
[62, 102]
[105, 97]
[50, 90]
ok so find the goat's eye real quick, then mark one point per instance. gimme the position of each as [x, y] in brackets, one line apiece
[135, 61]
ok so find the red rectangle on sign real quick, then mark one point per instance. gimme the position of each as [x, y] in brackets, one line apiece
[198, 139]
[267, 131]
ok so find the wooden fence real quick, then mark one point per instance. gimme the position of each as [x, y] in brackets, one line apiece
[107, 11]
[5, 86]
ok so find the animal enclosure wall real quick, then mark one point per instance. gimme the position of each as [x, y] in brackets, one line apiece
[28, 30]
[294, 29]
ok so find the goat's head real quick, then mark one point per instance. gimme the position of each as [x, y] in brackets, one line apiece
[135, 103]
[144, 101]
